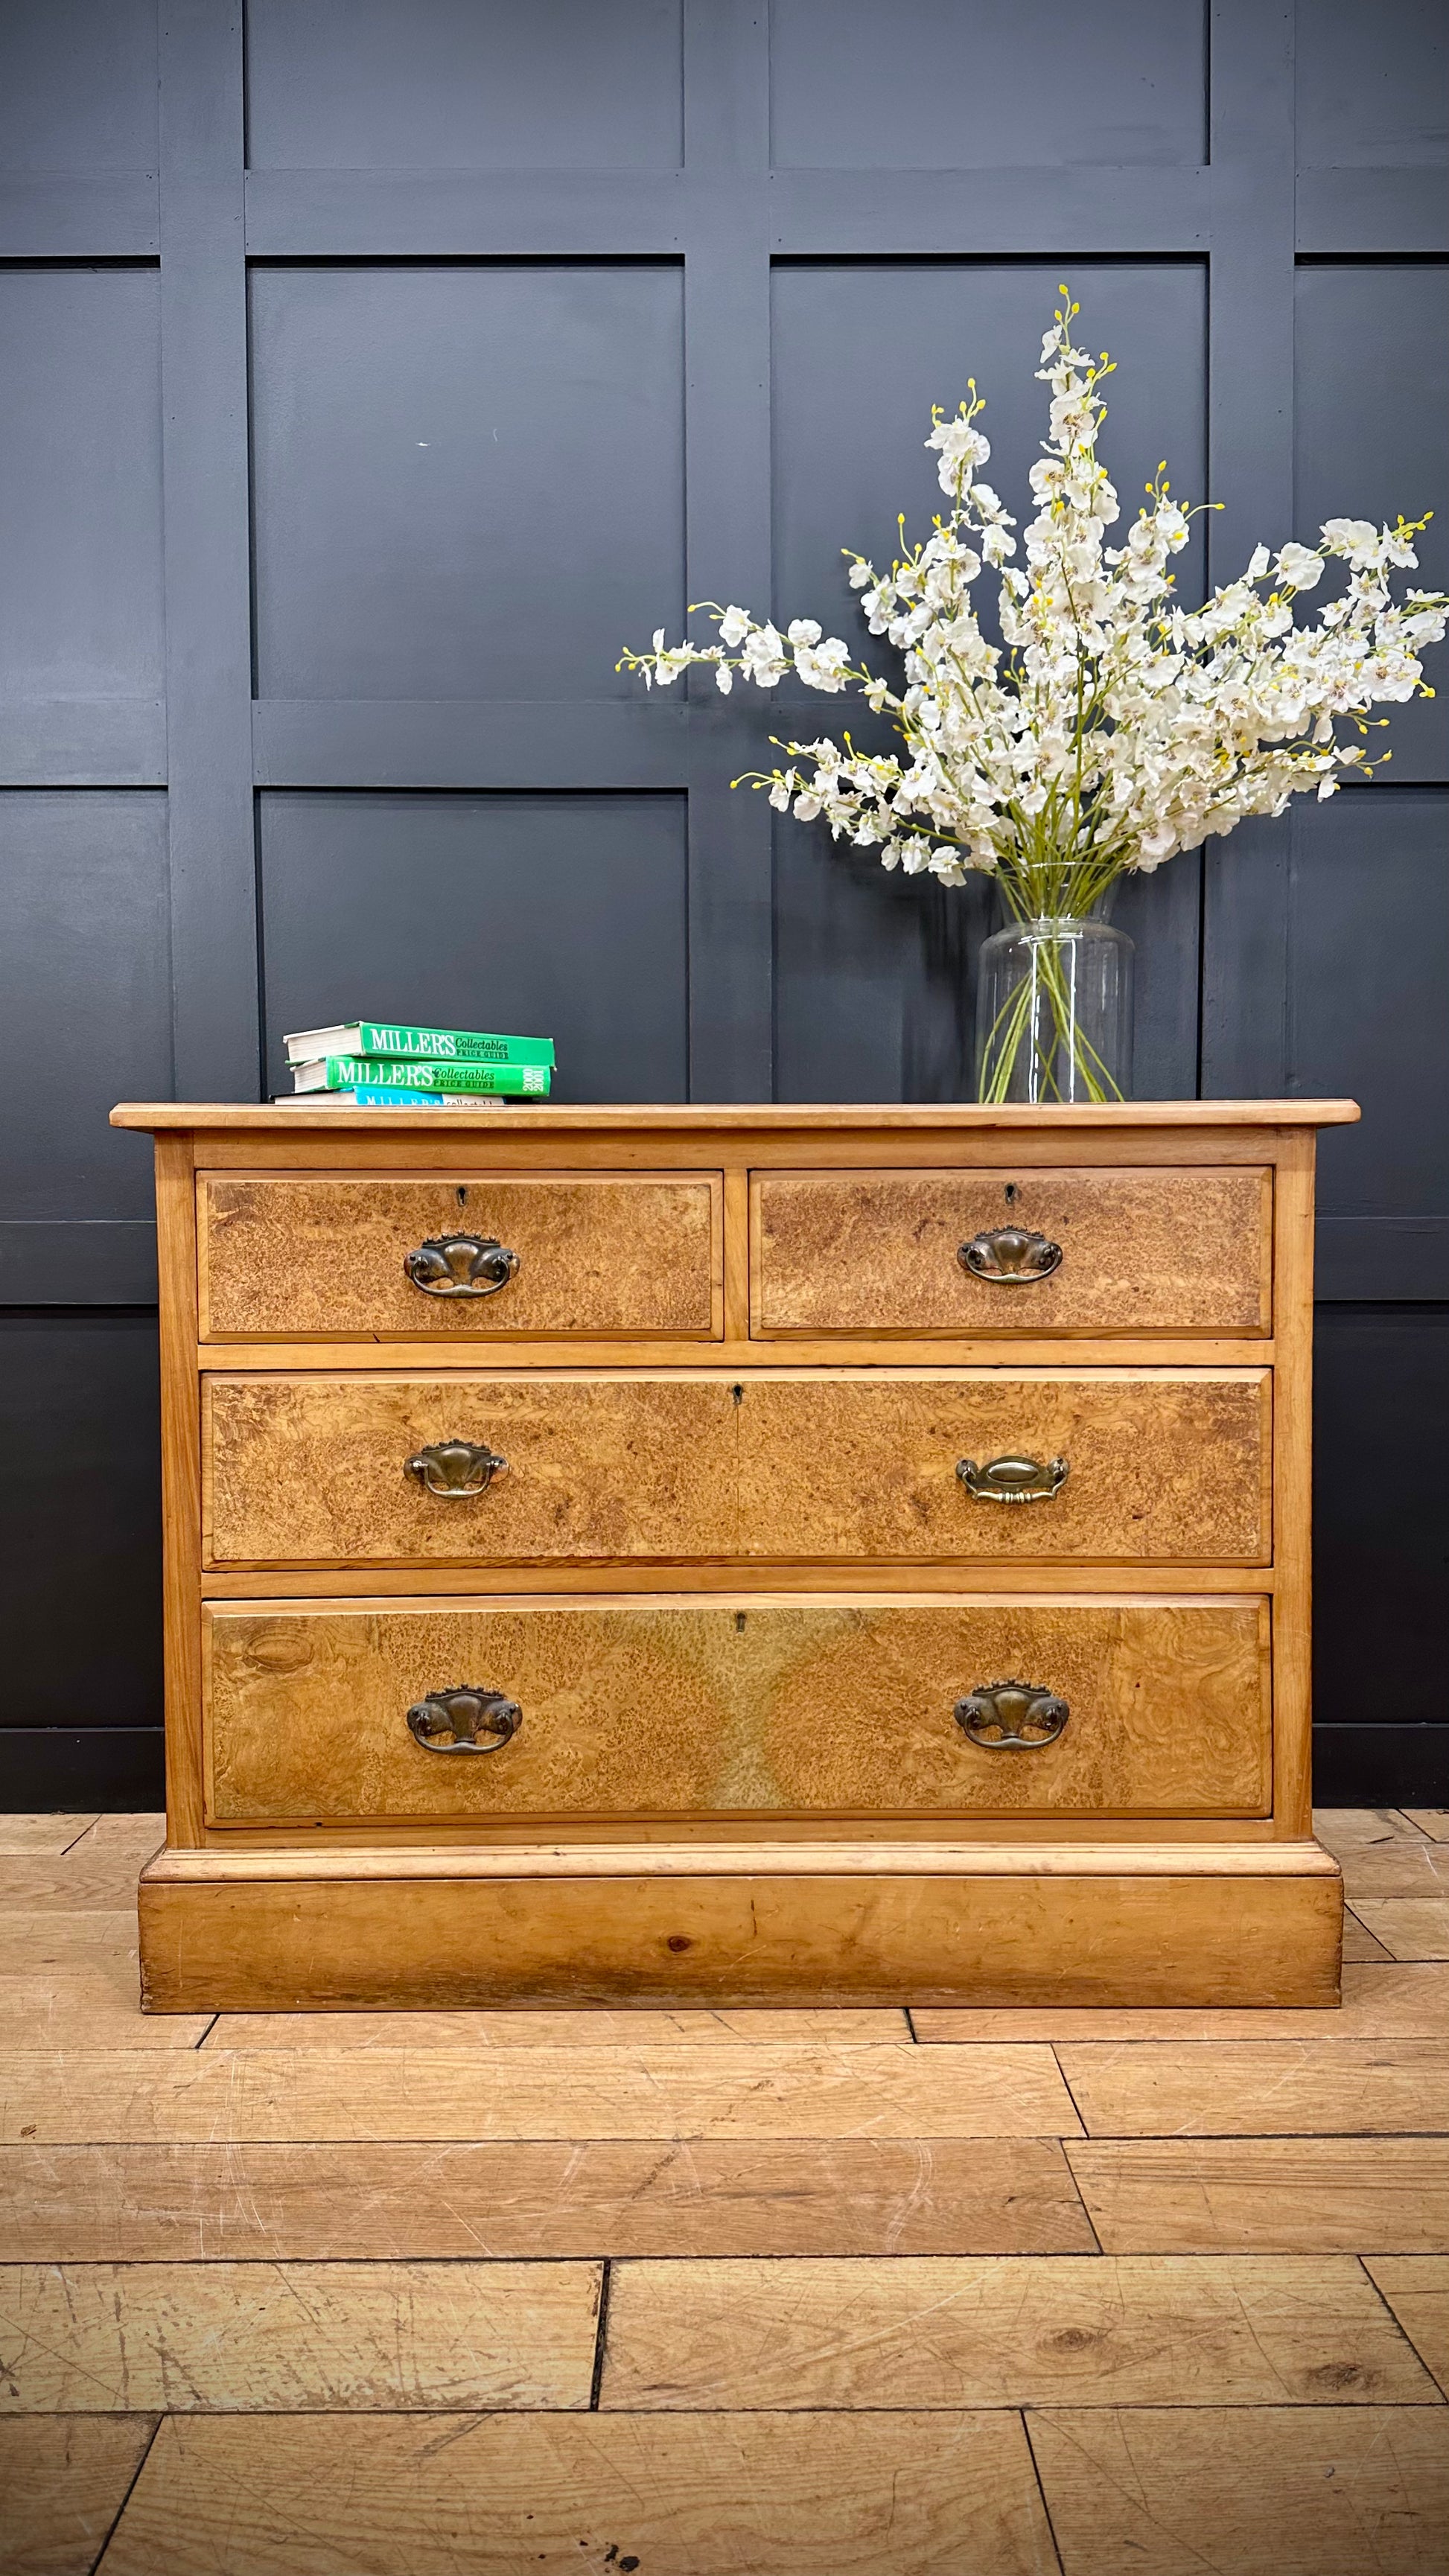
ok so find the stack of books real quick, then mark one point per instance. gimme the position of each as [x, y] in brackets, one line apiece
[378, 1064]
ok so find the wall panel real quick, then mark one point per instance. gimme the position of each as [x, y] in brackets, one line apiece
[80, 483]
[1381, 1555]
[445, 84]
[468, 480]
[930, 85]
[78, 85]
[1372, 84]
[561, 913]
[1371, 370]
[85, 993]
[80, 1500]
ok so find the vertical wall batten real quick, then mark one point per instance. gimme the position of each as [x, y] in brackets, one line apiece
[207, 550]
[727, 536]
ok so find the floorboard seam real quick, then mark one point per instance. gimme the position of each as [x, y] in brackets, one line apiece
[601, 2334]
[1397, 2322]
[1041, 2491]
[125, 2500]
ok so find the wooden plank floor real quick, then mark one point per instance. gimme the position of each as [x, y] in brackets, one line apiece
[964, 2293]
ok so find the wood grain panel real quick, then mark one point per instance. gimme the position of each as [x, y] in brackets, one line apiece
[1309, 2491]
[872, 2495]
[677, 1933]
[1142, 1251]
[1161, 1465]
[1382, 1854]
[539, 2197]
[312, 1468]
[861, 1467]
[630, 1709]
[1380, 2001]
[474, 2031]
[63, 2481]
[138, 1833]
[1221, 1122]
[1002, 2333]
[79, 1943]
[192, 2097]
[1409, 1927]
[1433, 1821]
[184, 2337]
[1396, 1869]
[598, 1254]
[1267, 2195]
[40, 1837]
[1416, 2287]
[51, 2009]
[1358, 1941]
[1271, 2087]
[1344, 1830]
[77, 1883]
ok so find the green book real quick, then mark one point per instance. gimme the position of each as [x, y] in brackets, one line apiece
[381, 1040]
[360, 1072]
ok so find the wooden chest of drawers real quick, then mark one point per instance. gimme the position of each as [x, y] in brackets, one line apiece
[737, 1555]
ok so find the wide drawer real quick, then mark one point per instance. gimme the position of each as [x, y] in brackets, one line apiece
[1116, 1251]
[911, 1465]
[596, 1254]
[687, 1708]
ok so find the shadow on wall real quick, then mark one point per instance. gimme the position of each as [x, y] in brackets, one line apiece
[80, 1575]
[1381, 1556]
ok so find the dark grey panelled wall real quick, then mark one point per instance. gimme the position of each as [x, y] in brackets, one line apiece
[370, 371]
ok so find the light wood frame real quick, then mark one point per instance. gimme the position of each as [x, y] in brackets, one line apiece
[736, 1143]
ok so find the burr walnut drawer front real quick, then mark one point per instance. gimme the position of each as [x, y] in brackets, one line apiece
[1012, 1251]
[993, 1465]
[449, 1711]
[460, 1253]
[1115, 1465]
[375, 1469]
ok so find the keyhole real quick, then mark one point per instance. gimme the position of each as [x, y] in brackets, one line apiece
[738, 1393]
[739, 1623]
[1010, 1193]
[462, 1198]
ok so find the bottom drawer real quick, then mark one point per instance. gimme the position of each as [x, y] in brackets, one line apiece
[332, 1712]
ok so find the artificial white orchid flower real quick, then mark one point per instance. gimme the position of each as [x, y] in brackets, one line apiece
[1111, 728]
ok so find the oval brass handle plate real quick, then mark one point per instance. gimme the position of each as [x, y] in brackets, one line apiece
[1009, 1256]
[467, 1720]
[1013, 1480]
[461, 1265]
[454, 1468]
[1011, 1717]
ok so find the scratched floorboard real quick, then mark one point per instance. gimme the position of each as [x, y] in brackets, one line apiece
[701, 2294]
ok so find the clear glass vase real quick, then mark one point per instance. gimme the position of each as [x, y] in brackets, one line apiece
[1054, 1012]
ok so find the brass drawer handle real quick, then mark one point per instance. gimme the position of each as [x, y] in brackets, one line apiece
[455, 1467]
[1009, 1256]
[1011, 1717]
[1013, 1480]
[461, 1265]
[467, 1720]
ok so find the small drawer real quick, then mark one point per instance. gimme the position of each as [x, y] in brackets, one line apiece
[1012, 1251]
[531, 1466]
[1117, 1465]
[456, 1711]
[468, 1253]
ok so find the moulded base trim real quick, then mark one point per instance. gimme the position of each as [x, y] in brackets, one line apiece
[1156, 1924]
